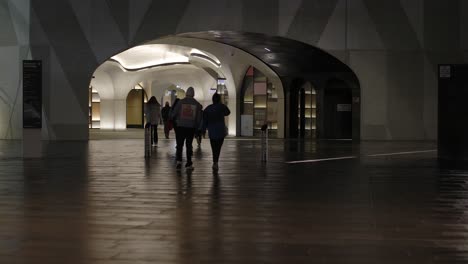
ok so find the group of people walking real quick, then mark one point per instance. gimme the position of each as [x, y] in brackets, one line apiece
[188, 119]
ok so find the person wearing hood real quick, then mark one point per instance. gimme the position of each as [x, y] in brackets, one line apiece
[153, 116]
[187, 114]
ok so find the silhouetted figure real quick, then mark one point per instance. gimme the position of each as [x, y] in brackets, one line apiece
[153, 115]
[187, 115]
[165, 111]
[213, 120]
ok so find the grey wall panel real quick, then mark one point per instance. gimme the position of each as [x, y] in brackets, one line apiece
[311, 19]
[119, 9]
[73, 52]
[208, 15]
[405, 95]
[372, 68]
[430, 100]
[8, 35]
[137, 12]
[10, 92]
[414, 10]
[362, 33]
[464, 25]
[442, 25]
[161, 19]
[260, 16]
[106, 37]
[334, 34]
[287, 10]
[19, 14]
[393, 25]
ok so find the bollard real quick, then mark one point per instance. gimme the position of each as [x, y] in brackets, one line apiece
[148, 140]
[264, 143]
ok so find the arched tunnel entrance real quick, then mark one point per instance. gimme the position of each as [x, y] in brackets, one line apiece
[298, 90]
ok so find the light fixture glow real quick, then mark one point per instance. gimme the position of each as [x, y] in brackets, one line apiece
[267, 49]
[147, 56]
[204, 58]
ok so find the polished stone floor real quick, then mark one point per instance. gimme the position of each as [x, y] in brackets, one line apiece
[102, 202]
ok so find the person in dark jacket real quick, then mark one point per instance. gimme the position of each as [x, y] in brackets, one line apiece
[187, 114]
[153, 115]
[165, 111]
[213, 120]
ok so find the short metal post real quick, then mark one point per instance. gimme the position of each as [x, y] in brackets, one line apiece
[264, 143]
[148, 140]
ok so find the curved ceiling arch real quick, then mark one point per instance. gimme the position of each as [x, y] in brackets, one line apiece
[286, 57]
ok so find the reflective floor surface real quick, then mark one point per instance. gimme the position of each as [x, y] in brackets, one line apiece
[102, 202]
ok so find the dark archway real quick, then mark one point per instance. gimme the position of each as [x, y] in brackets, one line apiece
[337, 110]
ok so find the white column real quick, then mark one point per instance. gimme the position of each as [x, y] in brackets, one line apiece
[120, 108]
[107, 114]
[232, 123]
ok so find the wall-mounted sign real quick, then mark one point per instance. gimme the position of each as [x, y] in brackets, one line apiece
[32, 94]
[445, 71]
[343, 108]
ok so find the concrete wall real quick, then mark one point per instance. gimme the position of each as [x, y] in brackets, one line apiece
[393, 46]
[14, 48]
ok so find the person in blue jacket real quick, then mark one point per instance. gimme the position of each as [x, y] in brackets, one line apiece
[213, 120]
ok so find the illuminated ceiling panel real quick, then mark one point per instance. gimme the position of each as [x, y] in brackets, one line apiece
[150, 55]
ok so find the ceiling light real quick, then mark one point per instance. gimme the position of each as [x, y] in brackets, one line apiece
[148, 55]
[267, 49]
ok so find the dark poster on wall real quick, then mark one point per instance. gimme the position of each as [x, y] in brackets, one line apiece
[32, 94]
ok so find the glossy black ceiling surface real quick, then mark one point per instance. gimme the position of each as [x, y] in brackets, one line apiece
[286, 57]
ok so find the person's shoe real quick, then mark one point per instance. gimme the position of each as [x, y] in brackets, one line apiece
[189, 166]
[215, 166]
[155, 145]
[179, 165]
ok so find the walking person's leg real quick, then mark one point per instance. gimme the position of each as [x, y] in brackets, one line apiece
[155, 135]
[216, 145]
[166, 129]
[188, 143]
[180, 137]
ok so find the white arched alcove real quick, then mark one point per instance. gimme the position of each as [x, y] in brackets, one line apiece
[183, 62]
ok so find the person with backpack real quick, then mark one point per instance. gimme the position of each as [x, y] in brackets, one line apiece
[187, 115]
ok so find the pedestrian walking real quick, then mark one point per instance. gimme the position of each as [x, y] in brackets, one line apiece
[213, 120]
[153, 116]
[187, 115]
[165, 111]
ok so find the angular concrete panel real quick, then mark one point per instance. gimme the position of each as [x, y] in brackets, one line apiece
[406, 95]
[414, 10]
[287, 13]
[205, 15]
[260, 16]
[8, 34]
[362, 33]
[334, 35]
[371, 69]
[160, 20]
[442, 25]
[393, 25]
[20, 19]
[137, 12]
[311, 20]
